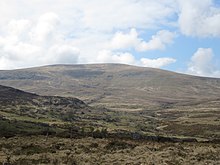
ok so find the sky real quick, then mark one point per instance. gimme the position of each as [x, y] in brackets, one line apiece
[176, 35]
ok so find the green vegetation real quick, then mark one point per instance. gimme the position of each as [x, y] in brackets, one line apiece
[10, 128]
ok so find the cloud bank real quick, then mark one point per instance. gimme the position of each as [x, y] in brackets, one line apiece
[198, 18]
[132, 40]
[42, 32]
[157, 63]
[28, 43]
[202, 63]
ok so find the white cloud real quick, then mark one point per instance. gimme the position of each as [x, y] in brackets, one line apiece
[5, 63]
[45, 28]
[158, 41]
[106, 56]
[157, 63]
[28, 43]
[42, 43]
[20, 51]
[132, 40]
[124, 41]
[202, 63]
[98, 15]
[64, 54]
[199, 18]
[40, 32]
[17, 27]
[122, 14]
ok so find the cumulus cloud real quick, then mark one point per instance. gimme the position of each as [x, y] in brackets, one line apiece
[202, 63]
[46, 26]
[67, 32]
[27, 43]
[106, 56]
[157, 63]
[158, 41]
[132, 40]
[17, 27]
[5, 63]
[41, 42]
[98, 31]
[64, 54]
[199, 18]
[99, 14]
[195, 18]
[125, 40]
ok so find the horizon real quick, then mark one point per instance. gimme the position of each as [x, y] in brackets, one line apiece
[54, 65]
[183, 37]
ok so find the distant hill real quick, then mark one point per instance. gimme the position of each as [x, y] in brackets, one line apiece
[114, 84]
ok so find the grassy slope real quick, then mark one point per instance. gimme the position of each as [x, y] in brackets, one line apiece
[114, 85]
[142, 100]
[24, 113]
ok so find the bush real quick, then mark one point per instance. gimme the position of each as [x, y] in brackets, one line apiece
[119, 145]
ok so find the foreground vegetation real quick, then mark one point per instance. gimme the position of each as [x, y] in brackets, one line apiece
[57, 130]
[82, 151]
[101, 136]
[199, 122]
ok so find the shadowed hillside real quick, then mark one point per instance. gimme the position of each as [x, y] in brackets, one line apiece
[12, 96]
[26, 113]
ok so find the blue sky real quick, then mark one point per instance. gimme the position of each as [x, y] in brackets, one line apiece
[177, 35]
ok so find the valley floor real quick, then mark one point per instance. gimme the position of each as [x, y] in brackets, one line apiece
[95, 151]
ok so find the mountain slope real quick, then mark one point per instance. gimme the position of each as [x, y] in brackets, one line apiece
[25, 113]
[114, 84]
[12, 96]
[17, 103]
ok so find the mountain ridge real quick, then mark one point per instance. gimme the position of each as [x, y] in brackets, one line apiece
[114, 84]
[106, 64]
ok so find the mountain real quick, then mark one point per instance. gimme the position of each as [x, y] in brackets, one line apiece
[121, 99]
[114, 85]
